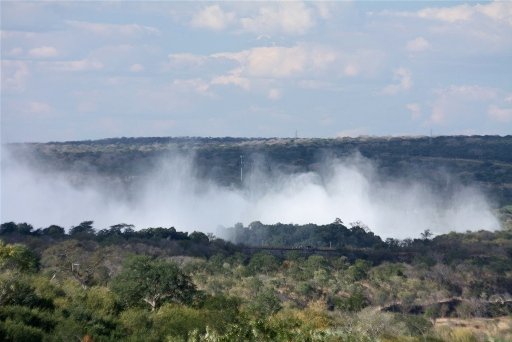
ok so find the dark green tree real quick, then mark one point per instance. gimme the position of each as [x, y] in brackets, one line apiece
[154, 282]
[84, 229]
[17, 257]
[54, 231]
[199, 237]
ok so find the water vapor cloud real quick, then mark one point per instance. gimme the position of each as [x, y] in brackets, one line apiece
[172, 195]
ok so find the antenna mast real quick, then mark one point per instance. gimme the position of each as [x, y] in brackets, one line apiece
[241, 168]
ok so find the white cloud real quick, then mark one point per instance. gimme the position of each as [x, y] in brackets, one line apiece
[196, 84]
[274, 94]
[274, 61]
[136, 67]
[44, 52]
[14, 75]
[351, 70]
[498, 11]
[403, 80]
[323, 8]
[280, 62]
[262, 64]
[439, 112]
[77, 65]
[457, 100]
[500, 114]
[449, 14]
[233, 78]
[415, 110]
[112, 29]
[291, 18]
[285, 17]
[417, 45]
[212, 17]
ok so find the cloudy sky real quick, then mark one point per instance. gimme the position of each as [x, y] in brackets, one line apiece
[87, 70]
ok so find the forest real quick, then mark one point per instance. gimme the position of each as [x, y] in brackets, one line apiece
[281, 282]
[267, 281]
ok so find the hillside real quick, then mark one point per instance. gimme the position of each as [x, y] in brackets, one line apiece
[482, 160]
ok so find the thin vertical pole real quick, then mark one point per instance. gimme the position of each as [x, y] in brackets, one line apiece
[241, 168]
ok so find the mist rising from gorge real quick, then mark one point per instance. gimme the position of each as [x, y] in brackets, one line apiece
[171, 194]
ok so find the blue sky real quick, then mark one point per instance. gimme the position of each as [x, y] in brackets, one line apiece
[88, 70]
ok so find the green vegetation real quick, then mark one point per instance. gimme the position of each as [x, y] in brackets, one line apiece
[307, 283]
[482, 160]
[280, 282]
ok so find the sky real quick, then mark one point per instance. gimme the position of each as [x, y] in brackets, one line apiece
[91, 70]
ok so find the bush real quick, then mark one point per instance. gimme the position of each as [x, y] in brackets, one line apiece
[16, 331]
[264, 304]
[176, 321]
[17, 257]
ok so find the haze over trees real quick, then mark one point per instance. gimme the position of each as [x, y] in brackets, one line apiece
[395, 185]
[485, 160]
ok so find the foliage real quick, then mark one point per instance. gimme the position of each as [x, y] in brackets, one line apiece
[17, 257]
[153, 282]
[192, 287]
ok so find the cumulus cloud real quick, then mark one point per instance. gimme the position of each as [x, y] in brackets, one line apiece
[185, 60]
[415, 110]
[170, 195]
[14, 75]
[286, 17]
[259, 65]
[43, 52]
[403, 82]
[291, 18]
[449, 14]
[351, 70]
[500, 11]
[457, 100]
[274, 94]
[233, 78]
[195, 84]
[212, 17]
[418, 44]
[280, 61]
